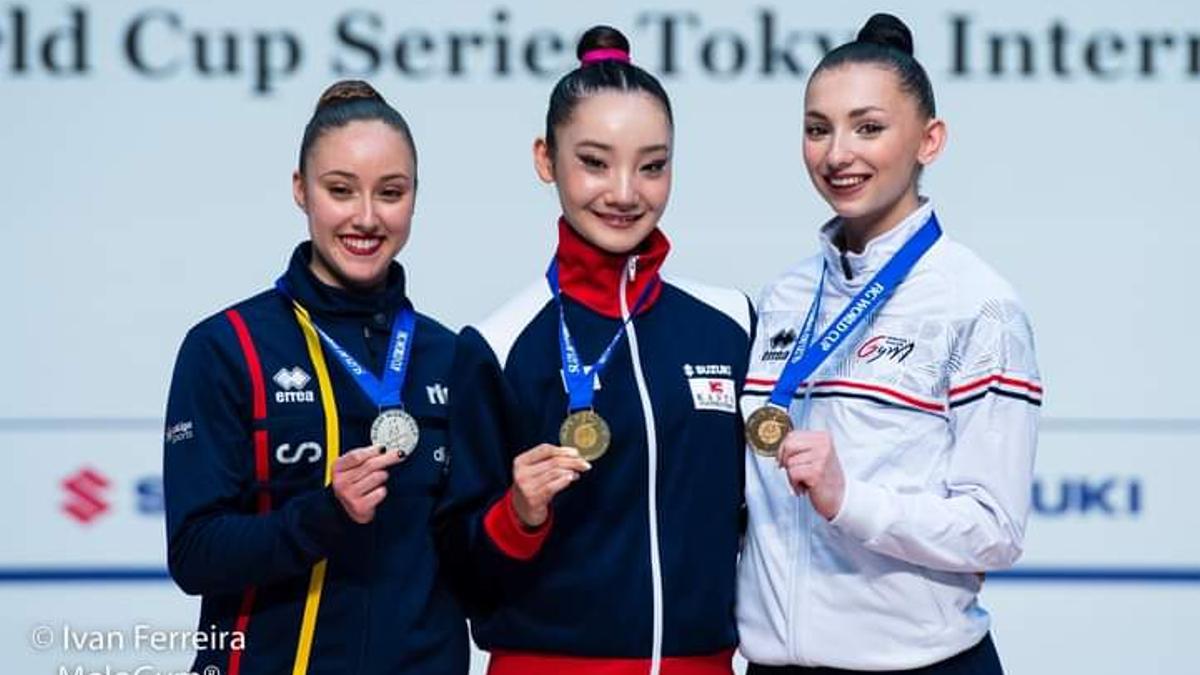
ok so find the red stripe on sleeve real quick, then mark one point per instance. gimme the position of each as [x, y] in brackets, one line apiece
[984, 381]
[508, 533]
[261, 466]
[252, 363]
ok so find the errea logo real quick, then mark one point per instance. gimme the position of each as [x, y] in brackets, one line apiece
[779, 345]
[292, 385]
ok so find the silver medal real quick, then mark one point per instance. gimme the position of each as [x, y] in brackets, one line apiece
[396, 431]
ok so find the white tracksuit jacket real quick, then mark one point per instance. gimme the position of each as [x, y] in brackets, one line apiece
[933, 410]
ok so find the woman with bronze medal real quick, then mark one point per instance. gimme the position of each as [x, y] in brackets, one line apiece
[597, 449]
[303, 459]
[892, 402]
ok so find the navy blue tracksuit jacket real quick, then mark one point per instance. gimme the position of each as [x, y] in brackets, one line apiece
[638, 561]
[249, 518]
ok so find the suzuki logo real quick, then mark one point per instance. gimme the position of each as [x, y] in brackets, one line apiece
[1110, 496]
[84, 489]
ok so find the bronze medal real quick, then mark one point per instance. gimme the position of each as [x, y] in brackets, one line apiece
[766, 429]
[587, 432]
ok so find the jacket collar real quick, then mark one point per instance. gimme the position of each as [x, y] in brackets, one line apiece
[320, 298]
[592, 276]
[853, 270]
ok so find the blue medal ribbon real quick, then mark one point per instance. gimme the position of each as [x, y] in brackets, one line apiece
[808, 355]
[580, 378]
[385, 392]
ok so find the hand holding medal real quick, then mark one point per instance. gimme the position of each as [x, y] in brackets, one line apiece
[360, 481]
[538, 475]
[813, 468]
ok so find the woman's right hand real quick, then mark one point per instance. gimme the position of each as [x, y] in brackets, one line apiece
[538, 475]
[359, 480]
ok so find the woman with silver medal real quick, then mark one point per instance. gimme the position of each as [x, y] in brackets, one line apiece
[324, 559]
[891, 445]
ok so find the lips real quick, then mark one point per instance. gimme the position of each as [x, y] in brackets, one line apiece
[619, 220]
[846, 184]
[361, 245]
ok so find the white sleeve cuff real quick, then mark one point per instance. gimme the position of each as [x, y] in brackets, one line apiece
[864, 513]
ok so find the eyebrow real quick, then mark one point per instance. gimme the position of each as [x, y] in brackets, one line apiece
[608, 148]
[857, 112]
[352, 176]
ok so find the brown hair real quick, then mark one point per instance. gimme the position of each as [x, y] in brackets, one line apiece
[348, 101]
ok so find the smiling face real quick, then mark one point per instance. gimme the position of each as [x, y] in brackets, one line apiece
[612, 168]
[358, 190]
[865, 140]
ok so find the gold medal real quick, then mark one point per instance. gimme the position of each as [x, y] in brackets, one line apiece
[587, 432]
[766, 429]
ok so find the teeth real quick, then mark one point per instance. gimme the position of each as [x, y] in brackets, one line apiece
[846, 181]
[361, 244]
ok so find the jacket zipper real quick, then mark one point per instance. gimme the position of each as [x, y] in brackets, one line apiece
[652, 449]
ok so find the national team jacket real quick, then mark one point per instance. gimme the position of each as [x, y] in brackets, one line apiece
[933, 410]
[258, 411]
[635, 570]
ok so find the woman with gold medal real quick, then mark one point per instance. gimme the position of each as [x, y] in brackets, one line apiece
[891, 443]
[303, 460]
[597, 446]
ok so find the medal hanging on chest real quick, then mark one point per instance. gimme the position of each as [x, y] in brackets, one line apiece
[396, 431]
[584, 429]
[767, 426]
[393, 429]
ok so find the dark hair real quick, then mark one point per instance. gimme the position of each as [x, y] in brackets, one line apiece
[885, 40]
[595, 76]
[347, 101]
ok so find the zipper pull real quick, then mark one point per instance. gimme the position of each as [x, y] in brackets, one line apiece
[632, 267]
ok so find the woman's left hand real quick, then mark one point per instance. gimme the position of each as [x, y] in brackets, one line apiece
[812, 467]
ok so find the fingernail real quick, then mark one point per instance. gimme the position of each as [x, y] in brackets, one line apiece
[587, 465]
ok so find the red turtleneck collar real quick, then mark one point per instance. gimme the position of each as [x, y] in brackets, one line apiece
[592, 276]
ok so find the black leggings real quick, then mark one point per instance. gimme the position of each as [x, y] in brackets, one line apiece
[978, 660]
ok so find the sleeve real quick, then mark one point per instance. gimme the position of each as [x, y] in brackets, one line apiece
[216, 542]
[743, 508]
[975, 520]
[478, 527]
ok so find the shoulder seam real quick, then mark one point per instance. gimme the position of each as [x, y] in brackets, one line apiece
[502, 328]
[730, 302]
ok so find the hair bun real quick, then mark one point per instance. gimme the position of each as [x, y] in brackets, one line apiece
[604, 38]
[348, 90]
[887, 30]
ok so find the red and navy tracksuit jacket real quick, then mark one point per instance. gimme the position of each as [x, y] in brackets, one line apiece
[636, 566]
[258, 411]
